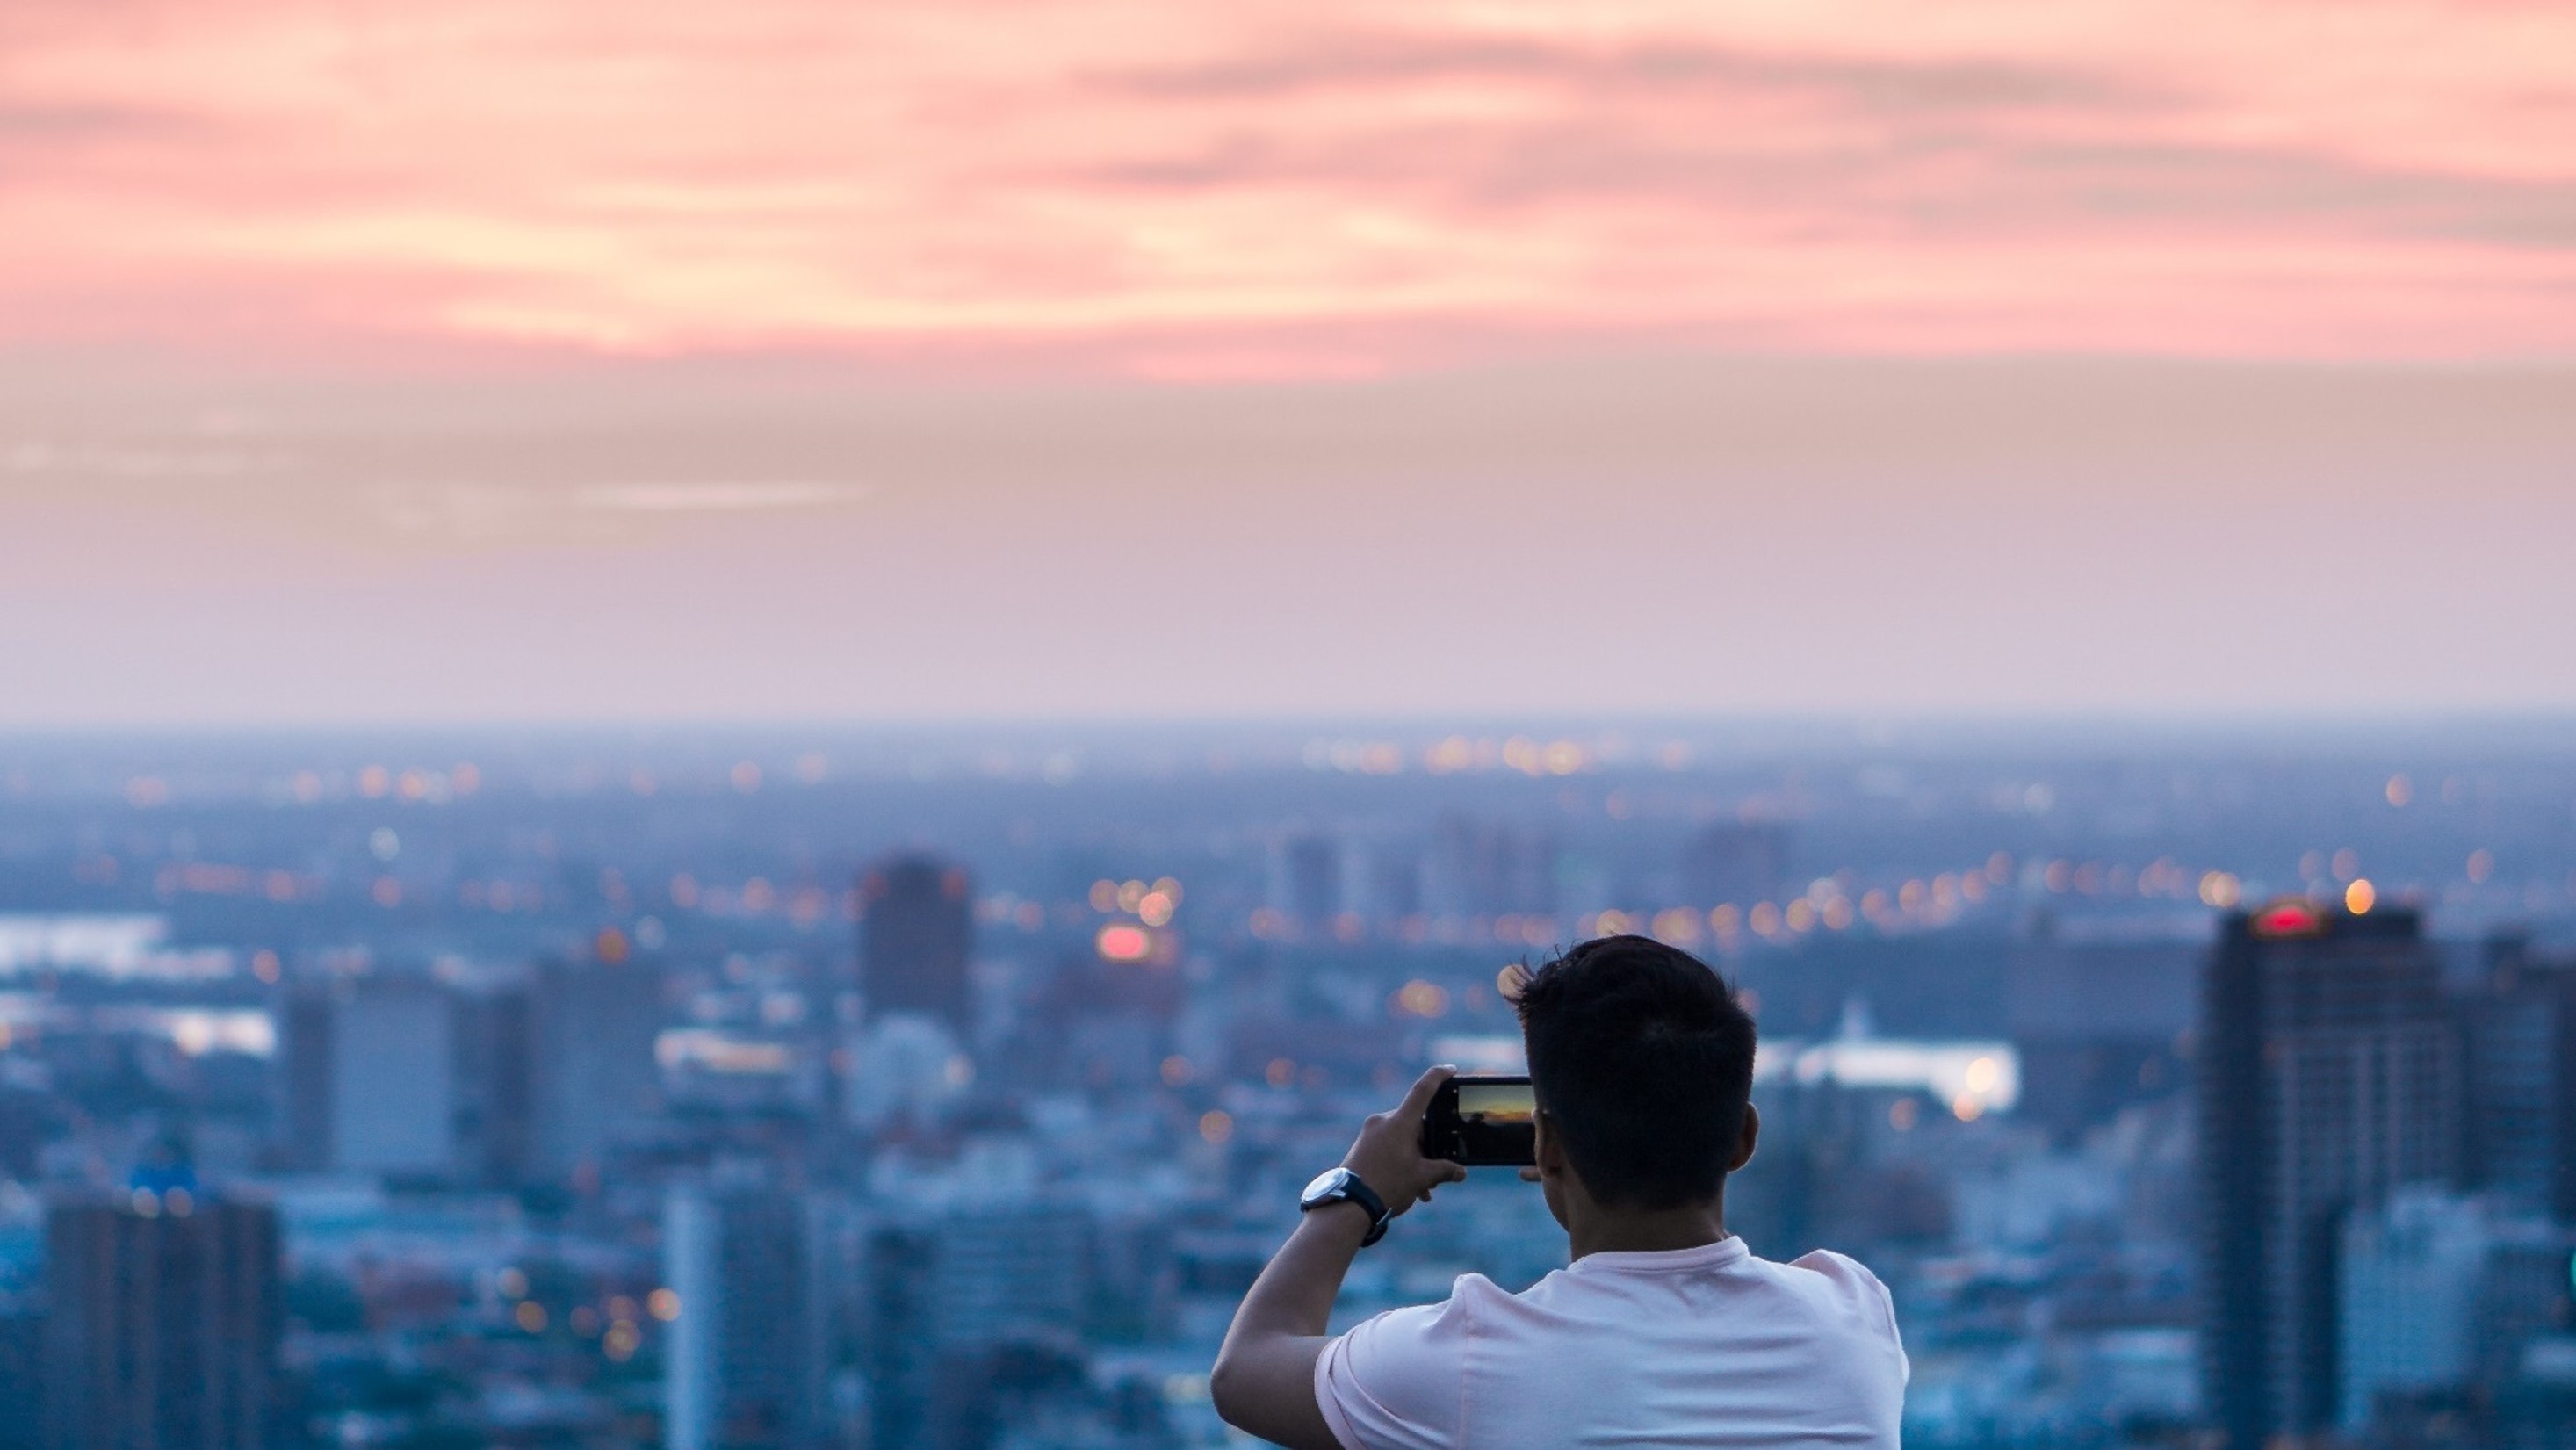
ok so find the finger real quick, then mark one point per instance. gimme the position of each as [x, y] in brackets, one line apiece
[1529, 1175]
[1418, 1100]
[1454, 1173]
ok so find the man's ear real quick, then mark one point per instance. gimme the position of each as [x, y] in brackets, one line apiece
[1551, 1148]
[1744, 1141]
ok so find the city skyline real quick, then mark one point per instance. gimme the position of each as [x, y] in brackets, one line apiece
[783, 1089]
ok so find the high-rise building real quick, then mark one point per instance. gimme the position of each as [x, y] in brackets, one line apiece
[2521, 1023]
[1485, 868]
[1041, 1389]
[1383, 880]
[2408, 1273]
[749, 1361]
[916, 932]
[2329, 1074]
[496, 1082]
[1002, 1271]
[22, 1372]
[896, 1348]
[2443, 1294]
[1306, 879]
[370, 1076]
[1735, 863]
[944, 1290]
[2100, 1025]
[592, 1076]
[164, 1326]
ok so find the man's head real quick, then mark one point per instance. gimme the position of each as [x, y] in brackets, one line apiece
[1642, 1061]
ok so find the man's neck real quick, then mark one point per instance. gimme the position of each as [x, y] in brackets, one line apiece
[1647, 1231]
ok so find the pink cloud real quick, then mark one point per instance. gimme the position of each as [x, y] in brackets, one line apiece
[1259, 189]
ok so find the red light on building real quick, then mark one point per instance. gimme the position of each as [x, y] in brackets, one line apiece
[1120, 942]
[2289, 918]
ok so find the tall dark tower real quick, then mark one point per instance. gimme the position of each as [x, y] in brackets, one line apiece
[165, 1323]
[916, 928]
[2329, 1073]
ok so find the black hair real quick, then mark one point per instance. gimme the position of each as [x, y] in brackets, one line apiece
[1643, 1060]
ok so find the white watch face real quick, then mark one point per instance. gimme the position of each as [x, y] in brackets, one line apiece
[1325, 1182]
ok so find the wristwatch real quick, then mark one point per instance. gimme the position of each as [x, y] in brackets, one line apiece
[1341, 1185]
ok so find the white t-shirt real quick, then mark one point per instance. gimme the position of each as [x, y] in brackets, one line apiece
[1696, 1347]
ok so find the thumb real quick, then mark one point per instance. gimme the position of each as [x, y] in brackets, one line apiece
[1417, 1100]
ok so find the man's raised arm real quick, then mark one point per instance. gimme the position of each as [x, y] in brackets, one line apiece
[1265, 1375]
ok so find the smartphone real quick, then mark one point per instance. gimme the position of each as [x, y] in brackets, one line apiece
[1483, 1122]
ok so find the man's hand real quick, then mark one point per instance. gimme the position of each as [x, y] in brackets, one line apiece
[1388, 1155]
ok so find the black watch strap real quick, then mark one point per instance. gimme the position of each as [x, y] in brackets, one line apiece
[1366, 1197]
[1353, 1189]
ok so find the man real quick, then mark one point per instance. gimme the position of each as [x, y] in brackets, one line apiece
[1664, 1331]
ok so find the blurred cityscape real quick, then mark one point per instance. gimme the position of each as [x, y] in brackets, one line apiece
[2187, 1085]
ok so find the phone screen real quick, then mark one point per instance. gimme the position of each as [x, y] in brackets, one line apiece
[1495, 1103]
[1483, 1122]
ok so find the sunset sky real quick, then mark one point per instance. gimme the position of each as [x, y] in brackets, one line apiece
[560, 359]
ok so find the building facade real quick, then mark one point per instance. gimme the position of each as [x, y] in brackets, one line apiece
[916, 933]
[370, 1077]
[749, 1362]
[2329, 1074]
[2521, 1033]
[164, 1323]
[592, 1028]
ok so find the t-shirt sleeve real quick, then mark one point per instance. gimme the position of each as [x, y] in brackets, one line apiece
[1395, 1382]
[1868, 1294]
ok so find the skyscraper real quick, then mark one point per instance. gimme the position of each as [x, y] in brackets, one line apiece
[301, 1088]
[164, 1328]
[1734, 863]
[2522, 1076]
[2097, 1023]
[916, 930]
[1487, 868]
[949, 1288]
[370, 1076]
[2407, 1271]
[2329, 1073]
[1306, 879]
[496, 1075]
[2444, 1292]
[591, 1031]
[750, 1355]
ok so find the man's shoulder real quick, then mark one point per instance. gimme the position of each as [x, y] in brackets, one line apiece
[1419, 1334]
[1847, 1284]
[1840, 1268]
[1419, 1326]
[1837, 1284]
[1393, 1378]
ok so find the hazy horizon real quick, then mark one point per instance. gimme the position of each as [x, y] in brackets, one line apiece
[1656, 535]
[553, 361]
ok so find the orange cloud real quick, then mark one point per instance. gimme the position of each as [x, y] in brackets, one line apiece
[1318, 188]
